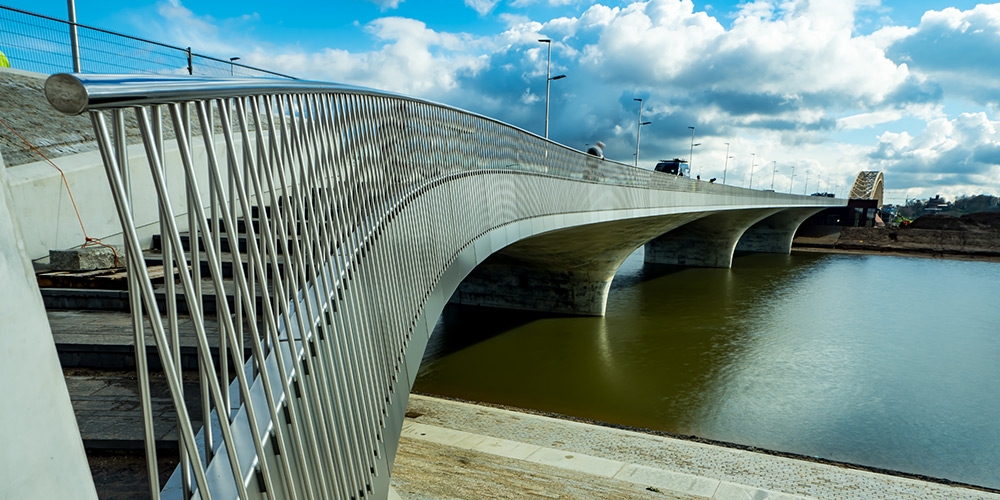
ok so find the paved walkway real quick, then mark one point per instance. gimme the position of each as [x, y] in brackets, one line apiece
[458, 450]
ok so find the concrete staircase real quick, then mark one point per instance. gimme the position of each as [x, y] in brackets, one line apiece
[92, 328]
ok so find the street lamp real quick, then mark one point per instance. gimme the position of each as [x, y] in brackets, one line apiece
[753, 163]
[548, 81]
[774, 164]
[74, 39]
[691, 154]
[791, 180]
[232, 70]
[638, 131]
[726, 167]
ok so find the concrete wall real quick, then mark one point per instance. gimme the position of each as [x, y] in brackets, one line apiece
[43, 207]
[43, 454]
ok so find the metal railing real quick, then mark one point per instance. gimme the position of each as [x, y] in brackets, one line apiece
[42, 44]
[355, 204]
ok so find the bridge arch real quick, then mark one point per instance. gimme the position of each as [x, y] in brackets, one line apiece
[868, 185]
[363, 212]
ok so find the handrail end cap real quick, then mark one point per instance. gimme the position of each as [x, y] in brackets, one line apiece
[66, 93]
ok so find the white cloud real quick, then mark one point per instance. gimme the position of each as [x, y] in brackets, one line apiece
[955, 49]
[387, 4]
[865, 120]
[955, 156]
[483, 7]
[784, 79]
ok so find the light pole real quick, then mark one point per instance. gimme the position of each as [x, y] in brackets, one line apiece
[774, 165]
[691, 154]
[548, 81]
[791, 180]
[726, 166]
[638, 131]
[74, 40]
[806, 187]
[753, 163]
[232, 70]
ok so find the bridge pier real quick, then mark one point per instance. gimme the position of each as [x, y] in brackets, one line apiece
[508, 285]
[706, 242]
[554, 272]
[774, 234]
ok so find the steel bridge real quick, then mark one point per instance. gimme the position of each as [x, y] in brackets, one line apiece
[363, 213]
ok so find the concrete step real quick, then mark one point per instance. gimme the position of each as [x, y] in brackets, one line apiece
[224, 242]
[108, 411]
[104, 340]
[226, 262]
[118, 300]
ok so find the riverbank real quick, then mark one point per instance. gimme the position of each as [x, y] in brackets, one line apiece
[454, 449]
[973, 237]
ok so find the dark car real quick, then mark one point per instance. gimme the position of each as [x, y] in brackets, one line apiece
[675, 166]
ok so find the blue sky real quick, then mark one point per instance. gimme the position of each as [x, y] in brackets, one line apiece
[827, 87]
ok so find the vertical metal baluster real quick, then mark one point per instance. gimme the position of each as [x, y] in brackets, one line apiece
[336, 345]
[381, 283]
[388, 269]
[340, 331]
[195, 260]
[345, 311]
[290, 246]
[268, 238]
[363, 288]
[367, 361]
[259, 352]
[144, 289]
[307, 195]
[120, 149]
[171, 296]
[283, 284]
[192, 298]
[208, 131]
[224, 109]
[226, 324]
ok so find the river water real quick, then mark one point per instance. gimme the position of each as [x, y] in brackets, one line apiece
[890, 362]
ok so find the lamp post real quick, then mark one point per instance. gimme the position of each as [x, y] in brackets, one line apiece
[548, 81]
[753, 163]
[726, 166]
[638, 131]
[232, 66]
[791, 180]
[806, 187]
[74, 40]
[774, 165]
[691, 154]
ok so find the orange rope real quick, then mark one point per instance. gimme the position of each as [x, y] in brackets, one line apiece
[87, 239]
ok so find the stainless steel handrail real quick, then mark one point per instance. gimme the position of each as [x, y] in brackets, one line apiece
[357, 206]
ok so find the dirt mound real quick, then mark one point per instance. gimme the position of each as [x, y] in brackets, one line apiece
[987, 220]
[980, 221]
[938, 222]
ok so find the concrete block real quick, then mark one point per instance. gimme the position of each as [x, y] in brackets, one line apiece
[86, 259]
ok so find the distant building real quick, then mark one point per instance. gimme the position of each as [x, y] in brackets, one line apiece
[936, 205]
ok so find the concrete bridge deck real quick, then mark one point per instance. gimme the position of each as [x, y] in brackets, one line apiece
[452, 449]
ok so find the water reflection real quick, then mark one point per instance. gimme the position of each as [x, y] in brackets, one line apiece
[884, 361]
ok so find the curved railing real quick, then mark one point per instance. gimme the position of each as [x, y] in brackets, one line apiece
[358, 207]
